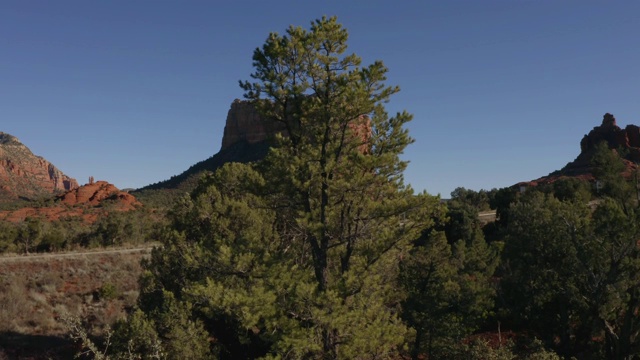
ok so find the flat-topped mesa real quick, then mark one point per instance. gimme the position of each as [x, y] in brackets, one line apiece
[25, 175]
[244, 124]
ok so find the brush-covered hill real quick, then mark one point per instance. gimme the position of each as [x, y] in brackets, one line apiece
[26, 176]
[246, 139]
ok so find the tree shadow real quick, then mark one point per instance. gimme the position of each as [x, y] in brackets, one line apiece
[14, 345]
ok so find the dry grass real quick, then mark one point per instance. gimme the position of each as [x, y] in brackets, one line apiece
[35, 291]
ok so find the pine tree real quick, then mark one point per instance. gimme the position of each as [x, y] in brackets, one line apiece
[298, 256]
[339, 176]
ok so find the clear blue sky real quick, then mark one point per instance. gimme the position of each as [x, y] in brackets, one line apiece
[134, 92]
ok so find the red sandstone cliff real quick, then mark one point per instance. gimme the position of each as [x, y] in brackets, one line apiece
[245, 124]
[23, 174]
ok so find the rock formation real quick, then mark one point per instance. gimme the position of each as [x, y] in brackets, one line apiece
[95, 193]
[245, 139]
[245, 124]
[25, 175]
[87, 202]
[627, 139]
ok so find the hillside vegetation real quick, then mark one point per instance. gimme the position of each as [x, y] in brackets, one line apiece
[315, 248]
[36, 291]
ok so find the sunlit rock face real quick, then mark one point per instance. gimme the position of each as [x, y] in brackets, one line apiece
[87, 202]
[25, 175]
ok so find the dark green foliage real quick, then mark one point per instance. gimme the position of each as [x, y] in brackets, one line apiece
[541, 269]
[572, 275]
[29, 234]
[137, 336]
[107, 291]
[572, 189]
[8, 237]
[117, 228]
[165, 193]
[448, 279]
[479, 200]
[501, 201]
[168, 332]
[608, 167]
[481, 350]
[449, 293]
[52, 240]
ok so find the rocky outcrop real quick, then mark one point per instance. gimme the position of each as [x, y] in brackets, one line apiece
[627, 139]
[95, 193]
[244, 124]
[25, 175]
[87, 202]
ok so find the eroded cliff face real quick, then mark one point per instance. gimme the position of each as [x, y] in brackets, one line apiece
[25, 175]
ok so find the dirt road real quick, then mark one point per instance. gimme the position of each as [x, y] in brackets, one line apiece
[37, 256]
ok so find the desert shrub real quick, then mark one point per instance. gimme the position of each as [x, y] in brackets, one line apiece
[52, 240]
[107, 291]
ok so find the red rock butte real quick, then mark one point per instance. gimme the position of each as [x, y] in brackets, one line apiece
[244, 124]
[617, 138]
